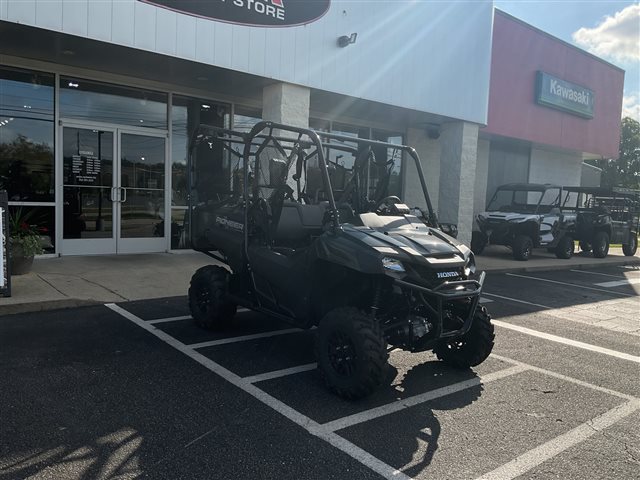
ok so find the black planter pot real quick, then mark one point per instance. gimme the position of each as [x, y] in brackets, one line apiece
[20, 264]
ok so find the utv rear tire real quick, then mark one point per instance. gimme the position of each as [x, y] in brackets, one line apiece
[522, 247]
[207, 298]
[585, 246]
[565, 247]
[630, 249]
[473, 347]
[351, 353]
[478, 242]
[600, 244]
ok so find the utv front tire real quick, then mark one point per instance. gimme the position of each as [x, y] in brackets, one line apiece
[351, 353]
[600, 244]
[522, 247]
[629, 249]
[585, 246]
[565, 247]
[207, 298]
[473, 347]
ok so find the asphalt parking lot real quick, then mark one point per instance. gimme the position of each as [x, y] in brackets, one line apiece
[136, 390]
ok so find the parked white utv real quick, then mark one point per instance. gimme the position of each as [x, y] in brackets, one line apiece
[524, 216]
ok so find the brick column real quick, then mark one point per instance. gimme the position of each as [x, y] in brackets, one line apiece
[459, 147]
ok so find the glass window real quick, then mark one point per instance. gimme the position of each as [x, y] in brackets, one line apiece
[26, 135]
[389, 160]
[186, 114]
[99, 102]
[245, 118]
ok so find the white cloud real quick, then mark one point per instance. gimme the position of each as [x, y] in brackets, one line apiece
[631, 106]
[616, 37]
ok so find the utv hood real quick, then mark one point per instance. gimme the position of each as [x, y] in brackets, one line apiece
[408, 239]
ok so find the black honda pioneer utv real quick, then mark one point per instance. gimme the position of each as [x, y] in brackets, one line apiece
[524, 216]
[602, 216]
[311, 233]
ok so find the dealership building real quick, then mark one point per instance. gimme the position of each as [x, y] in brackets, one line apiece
[98, 99]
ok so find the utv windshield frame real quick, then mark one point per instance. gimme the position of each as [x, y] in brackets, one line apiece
[526, 208]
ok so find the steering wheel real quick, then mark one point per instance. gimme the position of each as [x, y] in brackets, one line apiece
[387, 202]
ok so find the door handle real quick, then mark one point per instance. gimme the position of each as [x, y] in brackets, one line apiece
[123, 198]
[113, 194]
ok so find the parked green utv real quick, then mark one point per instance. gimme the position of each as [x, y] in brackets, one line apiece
[324, 240]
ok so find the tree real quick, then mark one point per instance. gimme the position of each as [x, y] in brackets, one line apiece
[625, 171]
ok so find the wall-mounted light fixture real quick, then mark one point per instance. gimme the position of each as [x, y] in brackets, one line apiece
[345, 40]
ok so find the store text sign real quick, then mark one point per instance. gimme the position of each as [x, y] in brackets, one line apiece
[259, 13]
[557, 93]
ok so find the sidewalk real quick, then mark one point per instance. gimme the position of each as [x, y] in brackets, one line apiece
[64, 282]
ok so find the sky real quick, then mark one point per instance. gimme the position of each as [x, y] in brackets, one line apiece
[608, 29]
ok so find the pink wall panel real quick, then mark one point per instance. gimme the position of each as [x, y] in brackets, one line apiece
[519, 51]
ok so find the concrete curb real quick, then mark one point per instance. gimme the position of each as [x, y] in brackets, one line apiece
[46, 305]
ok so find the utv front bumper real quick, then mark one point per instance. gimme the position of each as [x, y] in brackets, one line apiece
[469, 290]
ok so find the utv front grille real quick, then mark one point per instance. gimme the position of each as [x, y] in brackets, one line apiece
[432, 277]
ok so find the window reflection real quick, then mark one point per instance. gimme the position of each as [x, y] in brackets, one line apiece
[26, 135]
[186, 114]
[98, 102]
[245, 118]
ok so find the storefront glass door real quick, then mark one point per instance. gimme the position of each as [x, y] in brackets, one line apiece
[113, 189]
[141, 193]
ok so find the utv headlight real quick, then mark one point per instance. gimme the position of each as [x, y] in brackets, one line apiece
[392, 264]
[470, 267]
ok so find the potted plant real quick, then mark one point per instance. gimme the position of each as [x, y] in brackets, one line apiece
[24, 241]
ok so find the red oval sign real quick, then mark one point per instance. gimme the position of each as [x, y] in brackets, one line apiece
[257, 13]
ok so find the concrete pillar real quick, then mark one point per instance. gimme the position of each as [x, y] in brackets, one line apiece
[482, 178]
[429, 152]
[286, 103]
[458, 153]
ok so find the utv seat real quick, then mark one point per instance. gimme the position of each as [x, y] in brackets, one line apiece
[298, 222]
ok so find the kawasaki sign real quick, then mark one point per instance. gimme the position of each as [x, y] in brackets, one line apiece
[562, 95]
[257, 13]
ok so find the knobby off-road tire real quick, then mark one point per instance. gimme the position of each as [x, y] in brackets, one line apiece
[629, 249]
[473, 347]
[522, 247]
[207, 298]
[478, 242]
[351, 353]
[585, 246]
[565, 247]
[600, 244]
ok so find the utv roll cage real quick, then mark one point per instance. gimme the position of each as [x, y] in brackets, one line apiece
[299, 148]
[525, 207]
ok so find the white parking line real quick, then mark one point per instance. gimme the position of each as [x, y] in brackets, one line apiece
[280, 373]
[562, 377]
[552, 448]
[518, 301]
[567, 341]
[405, 403]
[569, 284]
[170, 319]
[597, 273]
[619, 283]
[244, 338]
[305, 422]
[485, 300]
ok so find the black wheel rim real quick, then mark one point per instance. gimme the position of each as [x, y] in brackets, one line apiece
[203, 299]
[342, 354]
